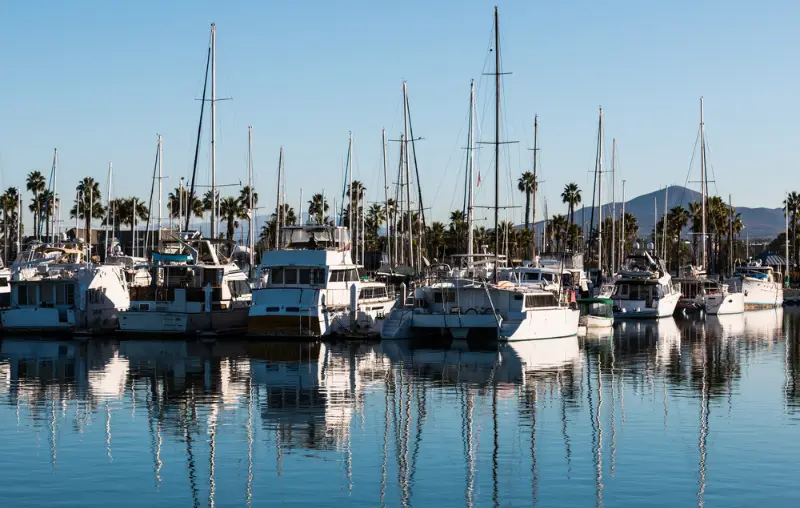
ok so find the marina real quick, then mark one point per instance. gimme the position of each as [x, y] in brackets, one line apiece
[357, 259]
[567, 421]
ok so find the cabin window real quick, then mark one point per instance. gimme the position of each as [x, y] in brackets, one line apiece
[70, 289]
[542, 300]
[61, 294]
[623, 290]
[317, 276]
[290, 276]
[238, 288]
[22, 295]
[304, 276]
[634, 292]
[3, 282]
[531, 276]
[276, 276]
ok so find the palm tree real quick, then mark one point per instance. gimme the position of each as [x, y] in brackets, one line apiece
[129, 211]
[35, 183]
[47, 207]
[10, 202]
[436, 239]
[88, 205]
[696, 216]
[558, 230]
[180, 196]
[571, 196]
[230, 209]
[207, 204]
[677, 221]
[317, 208]
[792, 205]
[527, 185]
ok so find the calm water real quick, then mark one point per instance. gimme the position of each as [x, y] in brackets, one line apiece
[674, 413]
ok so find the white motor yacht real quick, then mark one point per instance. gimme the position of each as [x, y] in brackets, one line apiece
[466, 309]
[68, 298]
[194, 289]
[761, 286]
[311, 287]
[644, 289]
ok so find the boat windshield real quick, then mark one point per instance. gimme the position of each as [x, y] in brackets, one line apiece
[597, 308]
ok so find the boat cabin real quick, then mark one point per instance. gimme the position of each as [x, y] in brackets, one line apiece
[315, 238]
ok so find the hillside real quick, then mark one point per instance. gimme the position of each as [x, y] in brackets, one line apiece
[758, 222]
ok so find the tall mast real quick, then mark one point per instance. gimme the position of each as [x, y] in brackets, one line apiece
[108, 205]
[213, 131]
[655, 225]
[622, 235]
[56, 212]
[496, 141]
[600, 193]
[250, 206]
[470, 174]
[664, 226]
[399, 247]
[353, 239]
[535, 181]
[703, 189]
[160, 190]
[613, 205]
[408, 176]
[278, 201]
[386, 202]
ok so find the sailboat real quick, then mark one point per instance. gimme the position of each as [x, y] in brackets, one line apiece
[498, 310]
[703, 292]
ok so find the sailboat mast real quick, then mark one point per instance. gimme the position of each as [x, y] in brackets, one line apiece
[622, 235]
[278, 203]
[386, 203]
[108, 206]
[655, 226]
[496, 141]
[250, 205]
[56, 212]
[535, 182]
[353, 239]
[213, 131]
[703, 189]
[664, 225]
[408, 176]
[600, 194]
[613, 205]
[470, 174]
[399, 247]
[160, 189]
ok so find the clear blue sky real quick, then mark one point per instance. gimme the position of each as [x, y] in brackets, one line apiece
[99, 80]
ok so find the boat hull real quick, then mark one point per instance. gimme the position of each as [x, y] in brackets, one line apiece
[761, 294]
[529, 325]
[639, 309]
[720, 304]
[218, 322]
[596, 321]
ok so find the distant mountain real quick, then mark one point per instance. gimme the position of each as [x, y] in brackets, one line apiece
[763, 223]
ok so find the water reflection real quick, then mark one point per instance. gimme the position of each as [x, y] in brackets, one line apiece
[550, 421]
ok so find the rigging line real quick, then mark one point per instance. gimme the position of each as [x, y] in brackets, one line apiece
[416, 166]
[199, 134]
[713, 176]
[691, 163]
[150, 203]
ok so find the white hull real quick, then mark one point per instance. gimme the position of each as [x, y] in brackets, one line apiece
[761, 294]
[34, 319]
[270, 316]
[639, 309]
[527, 325]
[596, 322]
[731, 303]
